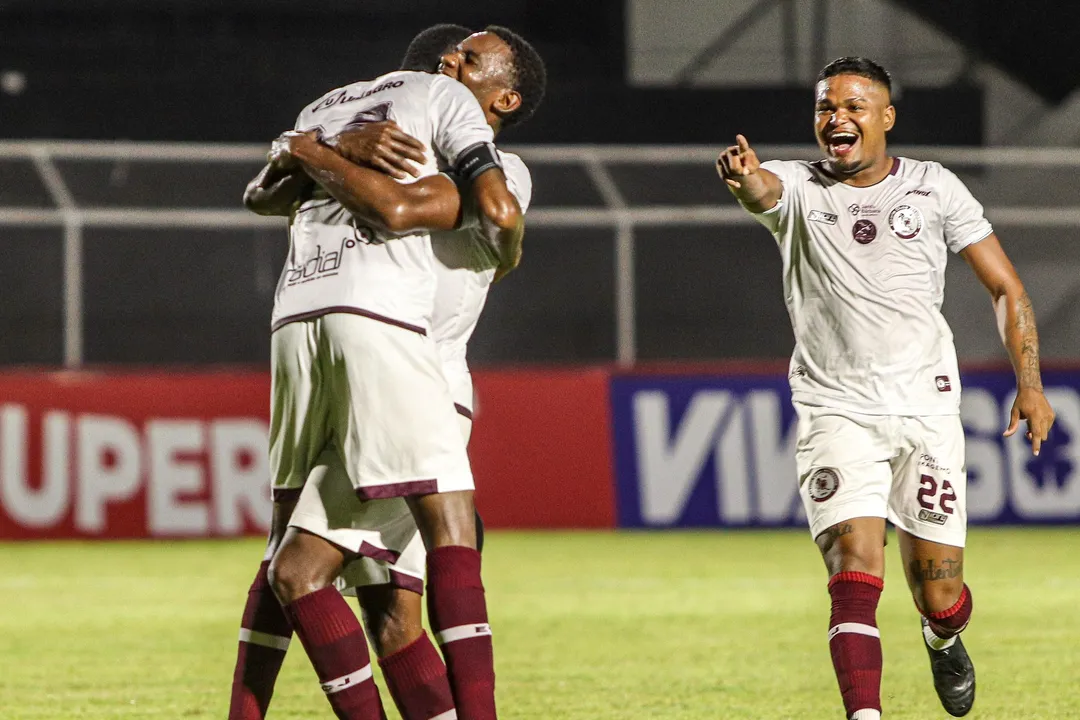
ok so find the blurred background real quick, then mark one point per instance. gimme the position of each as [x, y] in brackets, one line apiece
[131, 127]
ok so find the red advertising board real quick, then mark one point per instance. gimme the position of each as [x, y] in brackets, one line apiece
[124, 455]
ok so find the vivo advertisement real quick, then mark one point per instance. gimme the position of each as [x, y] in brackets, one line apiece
[719, 451]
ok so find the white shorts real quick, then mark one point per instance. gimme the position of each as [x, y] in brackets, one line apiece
[378, 392]
[908, 469]
[381, 534]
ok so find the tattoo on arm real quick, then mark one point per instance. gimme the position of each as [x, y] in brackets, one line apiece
[1027, 364]
[838, 531]
[929, 571]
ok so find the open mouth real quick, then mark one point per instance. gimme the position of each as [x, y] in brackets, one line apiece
[842, 143]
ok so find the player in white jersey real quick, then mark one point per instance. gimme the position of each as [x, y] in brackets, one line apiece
[378, 385]
[864, 238]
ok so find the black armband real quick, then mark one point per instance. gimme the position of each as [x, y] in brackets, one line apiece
[476, 160]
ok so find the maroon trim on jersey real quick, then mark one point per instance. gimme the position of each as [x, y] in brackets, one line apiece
[402, 489]
[895, 169]
[348, 310]
[283, 495]
[375, 553]
[463, 411]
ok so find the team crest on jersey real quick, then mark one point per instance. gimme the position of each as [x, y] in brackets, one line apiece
[864, 231]
[906, 221]
[823, 484]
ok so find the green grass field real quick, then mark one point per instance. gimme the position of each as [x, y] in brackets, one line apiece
[587, 625]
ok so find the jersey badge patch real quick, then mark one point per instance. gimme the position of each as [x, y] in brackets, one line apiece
[823, 484]
[864, 231]
[941, 382]
[820, 216]
[906, 221]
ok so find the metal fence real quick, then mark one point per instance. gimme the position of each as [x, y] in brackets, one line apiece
[614, 228]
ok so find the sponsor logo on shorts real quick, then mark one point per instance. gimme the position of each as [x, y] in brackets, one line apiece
[864, 231]
[905, 221]
[932, 517]
[822, 217]
[941, 382]
[823, 484]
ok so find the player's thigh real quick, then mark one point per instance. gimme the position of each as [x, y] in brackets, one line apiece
[297, 412]
[842, 464]
[329, 508]
[928, 499]
[394, 416]
[934, 571]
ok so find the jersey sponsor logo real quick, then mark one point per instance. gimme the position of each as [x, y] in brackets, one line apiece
[933, 517]
[906, 221]
[924, 193]
[823, 484]
[322, 265]
[867, 210]
[820, 216]
[864, 231]
[941, 382]
[342, 96]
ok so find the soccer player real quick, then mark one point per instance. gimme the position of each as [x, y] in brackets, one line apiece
[465, 268]
[304, 563]
[864, 238]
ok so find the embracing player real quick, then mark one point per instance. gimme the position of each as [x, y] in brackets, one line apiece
[317, 366]
[864, 238]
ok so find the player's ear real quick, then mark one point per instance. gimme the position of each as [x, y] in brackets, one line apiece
[890, 118]
[507, 102]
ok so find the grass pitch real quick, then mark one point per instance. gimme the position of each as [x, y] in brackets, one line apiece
[587, 625]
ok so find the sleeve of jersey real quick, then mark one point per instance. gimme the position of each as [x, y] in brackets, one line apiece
[774, 216]
[964, 222]
[456, 118]
[518, 181]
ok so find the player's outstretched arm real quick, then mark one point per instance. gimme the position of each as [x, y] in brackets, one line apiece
[278, 186]
[757, 189]
[1016, 323]
[431, 203]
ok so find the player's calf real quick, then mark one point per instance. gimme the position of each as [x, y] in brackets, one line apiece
[302, 573]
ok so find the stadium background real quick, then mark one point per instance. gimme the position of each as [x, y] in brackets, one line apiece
[630, 374]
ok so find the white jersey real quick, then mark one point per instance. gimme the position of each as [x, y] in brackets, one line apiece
[864, 275]
[464, 268]
[336, 264]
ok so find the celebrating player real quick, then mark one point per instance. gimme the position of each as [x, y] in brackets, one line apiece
[864, 239]
[336, 350]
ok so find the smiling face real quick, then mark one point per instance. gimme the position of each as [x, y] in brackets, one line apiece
[485, 64]
[852, 115]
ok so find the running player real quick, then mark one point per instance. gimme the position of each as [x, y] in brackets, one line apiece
[864, 239]
[296, 556]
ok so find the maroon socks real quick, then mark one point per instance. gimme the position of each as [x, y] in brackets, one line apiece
[264, 637]
[416, 677]
[338, 651]
[855, 643]
[458, 613]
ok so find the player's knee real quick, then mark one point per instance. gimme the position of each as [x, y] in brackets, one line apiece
[936, 596]
[292, 579]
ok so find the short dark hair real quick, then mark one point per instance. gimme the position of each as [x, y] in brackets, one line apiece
[427, 48]
[529, 74]
[863, 67]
